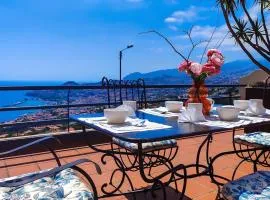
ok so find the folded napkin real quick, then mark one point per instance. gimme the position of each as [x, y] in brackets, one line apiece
[191, 115]
[161, 112]
[131, 111]
[241, 121]
[249, 112]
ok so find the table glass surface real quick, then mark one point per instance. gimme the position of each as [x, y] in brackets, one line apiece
[177, 130]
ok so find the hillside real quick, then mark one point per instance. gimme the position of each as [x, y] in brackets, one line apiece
[230, 74]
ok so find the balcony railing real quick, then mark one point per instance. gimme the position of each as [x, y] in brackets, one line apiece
[69, 105]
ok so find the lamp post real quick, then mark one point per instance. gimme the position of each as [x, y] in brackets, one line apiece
[120, 68]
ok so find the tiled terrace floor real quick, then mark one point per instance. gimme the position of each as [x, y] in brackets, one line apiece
[197, 188]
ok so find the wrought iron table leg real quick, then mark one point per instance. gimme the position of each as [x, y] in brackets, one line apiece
[155, 160]
[206, 142]
[120, 168]
[172, 172]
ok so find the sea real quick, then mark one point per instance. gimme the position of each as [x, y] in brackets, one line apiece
[19, 98]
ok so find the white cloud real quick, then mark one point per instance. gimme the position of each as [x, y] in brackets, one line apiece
[189, 15]
[201, 33]
[204, 33]
[174, 28]
[182, 15]
[253, 12]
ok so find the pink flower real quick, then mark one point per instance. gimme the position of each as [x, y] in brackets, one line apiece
[196, 68]
[217, 59]
[209, 68]
[210, 52]
[213, 65]
[184, 66]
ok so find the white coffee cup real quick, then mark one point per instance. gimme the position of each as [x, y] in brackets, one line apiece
[256, 106]
[242, 104]
[115, 116]
[132, 104]
[228, 113]
[174, 106]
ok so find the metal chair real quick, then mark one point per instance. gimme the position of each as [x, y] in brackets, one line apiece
[63, 182]
[128, 152]
[127, 90]
[256, 136]
[252, 186]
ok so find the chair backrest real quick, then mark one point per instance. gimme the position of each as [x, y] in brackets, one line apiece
[126, 90]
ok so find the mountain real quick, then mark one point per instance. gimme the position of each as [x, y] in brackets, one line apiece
[230, 74]
[70, 83]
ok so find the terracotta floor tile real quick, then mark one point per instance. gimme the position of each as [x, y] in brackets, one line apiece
[23, 169]
[206, 181]
[43, 157]
[208, 196]
[3, 173]
[103, 146]
[11, 161]
[224, 163]
[262, 168]
[67, 153]
[69, 159]
[188, 142]
[228, 172]
[198, 188]
[85, 150]
[195, 190]
[47, 165]
[2, 163]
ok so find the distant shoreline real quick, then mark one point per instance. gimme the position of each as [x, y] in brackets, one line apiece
[15, 104]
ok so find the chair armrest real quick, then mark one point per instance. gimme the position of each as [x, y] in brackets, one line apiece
[24, 180]
[214, 176]
[41, 141]
[30, 144]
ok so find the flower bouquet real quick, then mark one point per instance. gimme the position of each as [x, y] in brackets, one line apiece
[198, 93]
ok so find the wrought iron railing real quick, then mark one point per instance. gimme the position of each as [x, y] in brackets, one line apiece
[68, 105]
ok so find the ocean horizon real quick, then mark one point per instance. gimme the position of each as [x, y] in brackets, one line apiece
[19, 98]
[30, 83]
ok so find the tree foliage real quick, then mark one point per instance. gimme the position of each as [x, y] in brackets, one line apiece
[249, 24]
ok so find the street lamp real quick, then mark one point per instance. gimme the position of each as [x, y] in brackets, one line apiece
[120, 68]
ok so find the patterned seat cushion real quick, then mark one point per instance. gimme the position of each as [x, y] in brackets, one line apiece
[65, 185]
[251, 187]
[256, 138]
[149, 146]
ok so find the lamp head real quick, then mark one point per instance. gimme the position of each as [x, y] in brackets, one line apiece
[130, 46]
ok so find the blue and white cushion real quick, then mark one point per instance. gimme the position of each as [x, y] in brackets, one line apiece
[251, 187]
[146, 146]
[65, 185]
[256, 138]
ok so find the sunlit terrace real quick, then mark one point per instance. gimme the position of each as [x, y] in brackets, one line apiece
[64, 139]
[76, 148]
[135, 99]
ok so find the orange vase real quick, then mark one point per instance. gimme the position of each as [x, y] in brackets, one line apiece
[198, 93]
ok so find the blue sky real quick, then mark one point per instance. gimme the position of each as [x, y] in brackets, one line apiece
[80, 39]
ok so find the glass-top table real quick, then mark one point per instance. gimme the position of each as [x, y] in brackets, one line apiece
[174, 130]
[177, 130]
